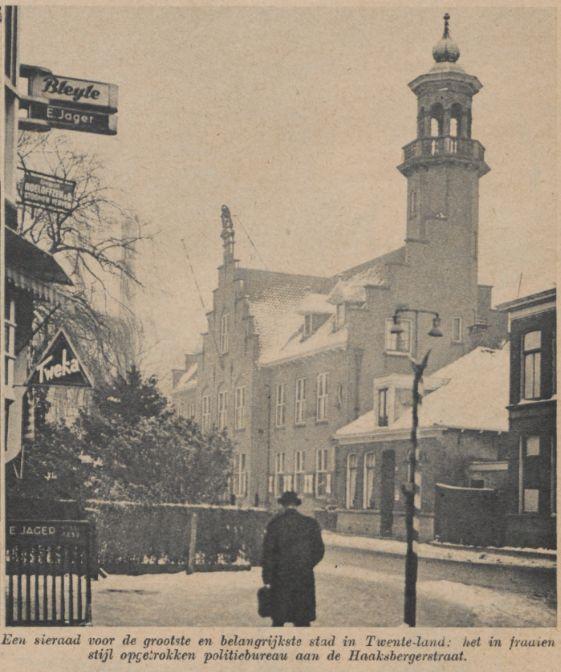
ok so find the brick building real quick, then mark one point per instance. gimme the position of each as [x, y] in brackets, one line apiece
[289, 359]
[463, 437]
[532, 417]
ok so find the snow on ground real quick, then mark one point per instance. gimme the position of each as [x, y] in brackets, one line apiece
[347, 595]
[440, 552]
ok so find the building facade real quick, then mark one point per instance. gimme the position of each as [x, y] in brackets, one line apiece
[532, 417]
[290, 359]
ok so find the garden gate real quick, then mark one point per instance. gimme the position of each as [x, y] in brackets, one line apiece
[49, 568]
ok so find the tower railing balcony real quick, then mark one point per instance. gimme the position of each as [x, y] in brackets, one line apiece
[447, 145]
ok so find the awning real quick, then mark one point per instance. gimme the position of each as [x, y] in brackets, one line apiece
[25, 257]
[31, 269]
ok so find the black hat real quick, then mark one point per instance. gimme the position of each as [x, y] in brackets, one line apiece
[289, 497]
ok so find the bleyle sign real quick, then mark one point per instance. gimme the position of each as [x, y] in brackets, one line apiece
[72, 91]
[60, 365]
[68, 103]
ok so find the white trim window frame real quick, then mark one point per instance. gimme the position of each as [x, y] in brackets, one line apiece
[352, 479]
[530, 370]
[280, 405]
[300, 402]
[369, 479]
[240, 407]
[222, 409]
[205, 412]
[299, 469]
[224, 328]
[10, 326]
[322, 396]
[322, 460]
[457, 329]
[399, 344]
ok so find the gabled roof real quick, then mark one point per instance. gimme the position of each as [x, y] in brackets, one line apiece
[188, 380]
[277, 302]
[474, 395]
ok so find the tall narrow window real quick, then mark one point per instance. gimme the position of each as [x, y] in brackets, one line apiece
[280, 406]
[531, 365]
[239, 403]
[352, 463]
[369, 475]
[222, 409]
[205, 413]
[398, 342]
[383, 407]
[322, 397]
[299, 469]
[529, 475]
[224, 325]
[279, 473]
[9, 342]
[300, 402]
[241, 476]
[413, 203]
[457, 330]
[322, 480]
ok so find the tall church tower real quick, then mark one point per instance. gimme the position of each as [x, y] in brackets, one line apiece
[443, 166]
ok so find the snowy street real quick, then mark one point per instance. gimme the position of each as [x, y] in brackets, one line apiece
[354, 588]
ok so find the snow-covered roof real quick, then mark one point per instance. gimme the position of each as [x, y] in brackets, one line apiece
[474, 395]
[188, 380]
[350, 287]
[316, 304]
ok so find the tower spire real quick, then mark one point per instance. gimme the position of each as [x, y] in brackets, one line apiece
[446, 32]
[227, 234]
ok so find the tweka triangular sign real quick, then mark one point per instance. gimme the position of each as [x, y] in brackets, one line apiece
[60, 365]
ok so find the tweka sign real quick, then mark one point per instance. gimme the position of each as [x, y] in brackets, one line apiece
[60, 365]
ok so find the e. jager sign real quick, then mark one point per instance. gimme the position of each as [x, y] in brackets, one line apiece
[60, 365]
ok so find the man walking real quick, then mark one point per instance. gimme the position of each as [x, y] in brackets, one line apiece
[292, 548]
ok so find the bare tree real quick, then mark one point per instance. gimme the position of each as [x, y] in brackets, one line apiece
[96, 242]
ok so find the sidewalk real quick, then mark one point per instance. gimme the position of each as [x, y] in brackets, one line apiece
[531, 557]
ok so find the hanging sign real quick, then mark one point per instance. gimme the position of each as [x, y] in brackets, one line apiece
[71, 91]
[46, 191]
[60, 365]
[74, 119]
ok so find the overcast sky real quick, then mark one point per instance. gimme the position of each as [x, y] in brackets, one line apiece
[296, 118]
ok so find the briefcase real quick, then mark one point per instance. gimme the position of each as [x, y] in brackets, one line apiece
[264, 606]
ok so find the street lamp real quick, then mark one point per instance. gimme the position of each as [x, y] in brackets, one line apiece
[410, 487]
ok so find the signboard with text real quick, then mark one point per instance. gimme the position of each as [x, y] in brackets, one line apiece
[46, 191]
[60, 365]
[72, 91]
[68, 103]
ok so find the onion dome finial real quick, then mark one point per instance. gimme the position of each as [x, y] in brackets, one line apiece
[446, 50]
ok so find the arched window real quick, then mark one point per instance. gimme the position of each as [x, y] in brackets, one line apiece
[456, 120]
[436, 120]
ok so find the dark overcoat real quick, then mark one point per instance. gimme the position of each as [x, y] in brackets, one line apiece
[292, 548]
